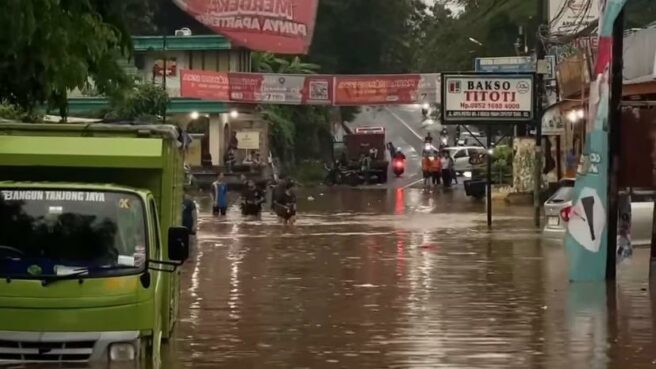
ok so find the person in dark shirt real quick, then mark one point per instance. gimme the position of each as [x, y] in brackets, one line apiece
[276, 190]
[285, 204]
[189, 214]
[428, 139]
[252, 200]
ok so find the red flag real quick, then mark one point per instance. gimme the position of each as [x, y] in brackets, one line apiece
[277, 26]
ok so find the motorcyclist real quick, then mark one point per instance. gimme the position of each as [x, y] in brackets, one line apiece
[428, 139]
[399, 155]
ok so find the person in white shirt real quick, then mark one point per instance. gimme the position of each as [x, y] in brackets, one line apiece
[447, 163]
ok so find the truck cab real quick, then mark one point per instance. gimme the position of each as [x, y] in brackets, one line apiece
[368, 141]
[91, 242]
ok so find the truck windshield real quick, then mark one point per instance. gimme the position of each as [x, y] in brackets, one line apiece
[62, 233]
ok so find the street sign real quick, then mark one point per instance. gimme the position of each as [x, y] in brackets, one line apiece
[510, 64]
[500, 98]
[551, 67]
[516, 64]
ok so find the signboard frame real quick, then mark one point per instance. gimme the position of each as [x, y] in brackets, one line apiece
[486, 120]
[526, 66]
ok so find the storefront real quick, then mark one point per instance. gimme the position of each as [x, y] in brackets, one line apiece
[565, 123]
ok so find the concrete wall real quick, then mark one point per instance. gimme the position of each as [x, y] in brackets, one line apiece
[217, 122]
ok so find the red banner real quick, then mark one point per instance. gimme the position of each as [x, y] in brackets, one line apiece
[206, 85]
[281, 89]
[277, 26]
[386, 89]
[260, 88]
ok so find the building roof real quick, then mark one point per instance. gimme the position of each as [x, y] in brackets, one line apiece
[180, 43]
[176, 105]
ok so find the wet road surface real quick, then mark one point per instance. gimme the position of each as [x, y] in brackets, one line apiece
[401, 279]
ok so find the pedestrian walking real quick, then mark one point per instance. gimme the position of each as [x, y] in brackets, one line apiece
[435, 169]
[425, 169]
[452, 165]
[189, 219]
[234, 142]
[220, 196]
[391, 149]
[285, 204]
[276, 191]
[252, 199]
[230, 160]
[446, 162]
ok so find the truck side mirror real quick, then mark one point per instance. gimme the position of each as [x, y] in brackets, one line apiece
[178, 244]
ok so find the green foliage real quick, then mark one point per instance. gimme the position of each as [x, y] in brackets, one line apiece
[309, 172]
[494, 23]
[143, 101]
[12, 112]
[367, 36]
[640, 13]
[502, 164]
[52, 46]
[270, 63]
[295, 131]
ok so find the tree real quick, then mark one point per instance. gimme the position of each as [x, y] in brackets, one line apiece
[494, 24]
[366, 36]
[291, 124]
[57, 45]
[143, 101]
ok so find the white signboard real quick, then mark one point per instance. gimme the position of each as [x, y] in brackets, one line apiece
[487, 97]
[588, 220]
[553, 123]
[572, 16]
[248, 140]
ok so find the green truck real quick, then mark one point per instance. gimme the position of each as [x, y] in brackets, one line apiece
[90, 242]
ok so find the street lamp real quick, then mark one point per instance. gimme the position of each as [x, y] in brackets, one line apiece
[194, 115]
[234, 114]
[475, 41]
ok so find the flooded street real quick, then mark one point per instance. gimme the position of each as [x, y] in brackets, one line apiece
[401, 279]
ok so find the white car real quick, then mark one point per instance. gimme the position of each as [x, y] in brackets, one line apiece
[461, 155]
[557, 207]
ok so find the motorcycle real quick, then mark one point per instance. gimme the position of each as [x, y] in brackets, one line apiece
[338, 175]
[398, 166]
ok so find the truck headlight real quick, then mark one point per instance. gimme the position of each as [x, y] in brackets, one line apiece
[123, 351]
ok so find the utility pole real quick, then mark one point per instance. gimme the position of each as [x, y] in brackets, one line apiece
[539, 93]
[165, 71]
[488, 190]
[614, 143]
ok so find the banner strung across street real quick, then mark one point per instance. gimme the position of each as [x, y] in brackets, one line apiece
[261, 88]
[200, 84]
[386, 89]
[277, 26]
[280, 89]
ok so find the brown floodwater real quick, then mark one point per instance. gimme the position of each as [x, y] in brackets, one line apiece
[401, 279]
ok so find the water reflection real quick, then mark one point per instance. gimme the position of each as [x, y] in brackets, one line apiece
[401, 279]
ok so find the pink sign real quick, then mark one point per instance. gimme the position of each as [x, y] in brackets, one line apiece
[277, 26]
